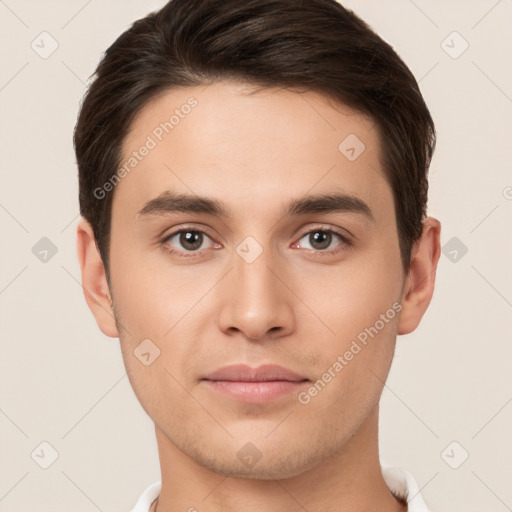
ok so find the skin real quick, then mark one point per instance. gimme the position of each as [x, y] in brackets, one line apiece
[294, 305]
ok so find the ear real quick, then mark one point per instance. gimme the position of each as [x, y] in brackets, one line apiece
[94, 280]
[419, 285]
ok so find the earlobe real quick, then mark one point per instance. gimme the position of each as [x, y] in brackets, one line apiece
[419, 285]
[94, 280]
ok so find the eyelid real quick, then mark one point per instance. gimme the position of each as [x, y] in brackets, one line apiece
[343, 233]
[346, 240]
[181, 229]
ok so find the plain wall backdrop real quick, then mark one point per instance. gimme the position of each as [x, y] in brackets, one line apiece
[446, 409]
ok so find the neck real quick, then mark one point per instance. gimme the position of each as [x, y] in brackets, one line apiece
[349, 480]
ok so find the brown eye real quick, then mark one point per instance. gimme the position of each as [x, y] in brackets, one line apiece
[321, 239]
[186, 240]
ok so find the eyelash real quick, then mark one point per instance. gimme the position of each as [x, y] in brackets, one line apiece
[346, 243]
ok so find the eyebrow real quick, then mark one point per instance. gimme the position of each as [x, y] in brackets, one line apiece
[171, 202]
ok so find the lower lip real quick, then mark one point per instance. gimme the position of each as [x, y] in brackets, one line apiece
[256, 392]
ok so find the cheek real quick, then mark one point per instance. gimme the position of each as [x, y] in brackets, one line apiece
[152, 296]
[163, 310]
[349, 298]
[357, 308]
[353, 359]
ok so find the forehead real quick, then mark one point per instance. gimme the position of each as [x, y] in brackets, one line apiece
[251, 148]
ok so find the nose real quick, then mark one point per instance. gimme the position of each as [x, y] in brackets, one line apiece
[255, 299]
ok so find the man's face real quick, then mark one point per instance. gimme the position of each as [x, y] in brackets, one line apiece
[260, 286]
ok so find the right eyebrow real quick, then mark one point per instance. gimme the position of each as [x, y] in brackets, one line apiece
[171, 202]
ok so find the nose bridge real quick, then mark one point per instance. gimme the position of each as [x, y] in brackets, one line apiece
[256, 300]
[252, 263]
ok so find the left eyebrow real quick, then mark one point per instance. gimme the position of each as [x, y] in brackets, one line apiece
[170, 202]
[330, 203]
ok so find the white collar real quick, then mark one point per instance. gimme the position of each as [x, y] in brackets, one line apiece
[399, 481]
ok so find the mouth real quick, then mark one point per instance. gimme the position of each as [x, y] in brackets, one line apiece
[255, 385]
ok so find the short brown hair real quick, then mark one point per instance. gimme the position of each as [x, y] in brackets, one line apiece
[315, 45]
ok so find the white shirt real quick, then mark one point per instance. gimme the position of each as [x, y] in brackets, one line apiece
[399, 481]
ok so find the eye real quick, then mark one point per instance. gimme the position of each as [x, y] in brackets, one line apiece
[187, 240]
[194, 240]
[321, 239]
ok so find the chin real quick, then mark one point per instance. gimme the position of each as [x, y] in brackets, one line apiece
[276, 466]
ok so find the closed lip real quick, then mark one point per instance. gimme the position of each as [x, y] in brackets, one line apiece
[245, 373]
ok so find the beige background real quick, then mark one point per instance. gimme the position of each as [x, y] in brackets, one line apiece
[63, 382]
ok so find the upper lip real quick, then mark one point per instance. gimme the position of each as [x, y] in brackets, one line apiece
[245, 373]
